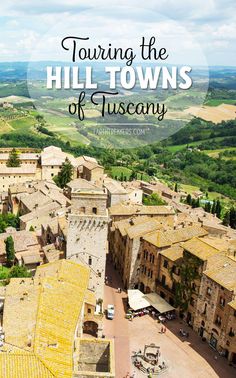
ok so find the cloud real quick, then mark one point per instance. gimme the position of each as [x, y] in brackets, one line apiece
[210, 22]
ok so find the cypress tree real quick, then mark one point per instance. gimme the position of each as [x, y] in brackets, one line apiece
[218, 208]
[13, 160]
[189, 199]
[10, 250]
[213, 209]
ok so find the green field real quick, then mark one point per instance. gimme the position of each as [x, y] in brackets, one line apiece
[215, 153]
[23, 125]
[117, 171]
[216, 102]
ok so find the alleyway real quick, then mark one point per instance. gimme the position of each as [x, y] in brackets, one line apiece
[118, 327]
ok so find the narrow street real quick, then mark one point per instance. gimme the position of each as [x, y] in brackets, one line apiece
[118, 328]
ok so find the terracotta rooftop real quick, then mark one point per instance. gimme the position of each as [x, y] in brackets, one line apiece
[82, 159]
[55, 156]
[173, 253]
[135, 209]
[41, 211]
[222, 270]
[143, 228]
[82, 184]
[114, 187]
[22, 240]
[35, 200]
[233, 304]
[200, 248]
[166, 238]
[91, 165]
[41, 315]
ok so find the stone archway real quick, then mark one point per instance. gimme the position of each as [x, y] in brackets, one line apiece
[91, 328]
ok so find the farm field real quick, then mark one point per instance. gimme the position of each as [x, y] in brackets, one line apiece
[215, 153]
[216, 114]
[119, 172]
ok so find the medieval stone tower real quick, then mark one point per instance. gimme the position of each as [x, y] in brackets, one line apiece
[87, 234]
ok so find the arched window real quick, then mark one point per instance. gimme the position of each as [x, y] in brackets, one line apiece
[82, 210]
[94, 210]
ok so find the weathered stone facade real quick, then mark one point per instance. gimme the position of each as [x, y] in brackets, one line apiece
[87, 234]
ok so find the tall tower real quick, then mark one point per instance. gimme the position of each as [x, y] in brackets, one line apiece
[88, 228]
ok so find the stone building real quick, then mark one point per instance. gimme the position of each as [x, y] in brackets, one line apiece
[127, 210]
[34, 165]
[154, 272]
[51, 161]
[28, 170]
[215, 317]
[125, 244]
[26, 245]
[117, 193]
[197, 254]
[87, 231]
[90, 170]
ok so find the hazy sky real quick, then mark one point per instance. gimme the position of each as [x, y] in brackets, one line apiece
[210, 23]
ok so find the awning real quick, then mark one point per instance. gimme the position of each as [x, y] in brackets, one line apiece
[158, 302]
[136, 300]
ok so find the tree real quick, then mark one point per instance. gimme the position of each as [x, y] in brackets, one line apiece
[226, 219]
[31, 228]
[184, 288]
[10, 250]
[13, 160]
[176, 187]
[213, 209]
[18, 271]
[232, 217]
[208, 207]
[65, 174]
[133, 176]
[153, 200]
[218, 208]
[7, 220]
[189, 199]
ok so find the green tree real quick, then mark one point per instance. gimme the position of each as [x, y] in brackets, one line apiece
[18, 271]
[176, 187]
[207, 207]
[232, 217]
[13, 160]
[153, 200]
[218, 208]
[195, 203]
[10, 250]
[213, 209]
[188, 271]
[189, 199]
[7, 220]
[133, 176]
[31, 228]
[226, 219]
[65, 174]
